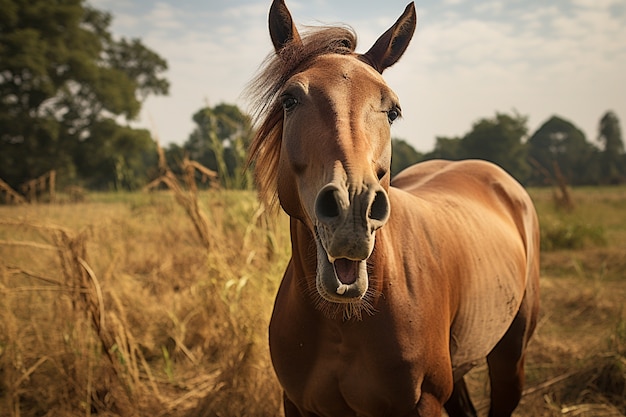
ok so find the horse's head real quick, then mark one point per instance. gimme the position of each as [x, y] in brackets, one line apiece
[333, 157]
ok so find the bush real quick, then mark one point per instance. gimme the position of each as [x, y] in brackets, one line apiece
[571, 235]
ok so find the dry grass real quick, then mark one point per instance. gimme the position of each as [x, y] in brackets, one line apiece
[115, 307]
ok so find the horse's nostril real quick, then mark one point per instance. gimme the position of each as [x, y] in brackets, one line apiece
[327, 204]
[379, 209]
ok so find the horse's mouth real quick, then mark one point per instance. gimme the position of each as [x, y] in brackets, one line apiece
[340, 280]
[346, 270]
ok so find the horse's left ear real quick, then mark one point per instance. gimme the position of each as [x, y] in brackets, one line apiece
[392, 44]
[282, 28]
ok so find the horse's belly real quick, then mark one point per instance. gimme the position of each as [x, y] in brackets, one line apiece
[482, 320]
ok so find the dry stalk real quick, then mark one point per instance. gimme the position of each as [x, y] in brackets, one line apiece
[20, 271]
[33, 225]
[207, 174]
[11, 361]
[10, 195]
[29, 371]
[99, 306]
[201, 390]
[128, 348]
[596, 410]
[564, 200]
[87, 301]
[35, 245]
[549, 383]
[188, 200]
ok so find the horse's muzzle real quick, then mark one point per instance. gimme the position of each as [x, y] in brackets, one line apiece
[345, 233]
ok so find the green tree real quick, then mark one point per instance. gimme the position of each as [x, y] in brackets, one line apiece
[559, 143]
[403, 155]
[499, 140]
[120, 158]
[613, 160]
[219, 142]
[61, 76]
[446, 148]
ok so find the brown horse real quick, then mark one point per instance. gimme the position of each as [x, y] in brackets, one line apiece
[395, 289]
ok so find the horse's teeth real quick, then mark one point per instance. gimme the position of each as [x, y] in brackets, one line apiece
[342, 289]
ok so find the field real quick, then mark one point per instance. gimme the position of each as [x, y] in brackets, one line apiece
[117, 306]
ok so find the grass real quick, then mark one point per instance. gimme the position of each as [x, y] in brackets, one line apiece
[174, 329]
[117, 306]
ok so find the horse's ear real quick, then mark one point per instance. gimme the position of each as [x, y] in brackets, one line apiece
[282, 28]
[392, 44]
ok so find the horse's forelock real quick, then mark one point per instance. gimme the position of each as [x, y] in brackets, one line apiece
[267, 112]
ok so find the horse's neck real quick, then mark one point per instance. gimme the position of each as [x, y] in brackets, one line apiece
[303, 253]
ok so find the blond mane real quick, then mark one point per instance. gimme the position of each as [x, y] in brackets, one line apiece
[267, 111]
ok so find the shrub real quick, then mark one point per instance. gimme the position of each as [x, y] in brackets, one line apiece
[571, 235]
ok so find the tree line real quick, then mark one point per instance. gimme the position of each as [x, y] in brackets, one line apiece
[556, 149]
[69, 90]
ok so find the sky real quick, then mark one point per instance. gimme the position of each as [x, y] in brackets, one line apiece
[467, 60]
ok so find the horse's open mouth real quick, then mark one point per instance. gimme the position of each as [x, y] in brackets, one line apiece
[340, 280]
[346, 270]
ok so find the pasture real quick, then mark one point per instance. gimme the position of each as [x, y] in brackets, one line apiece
[114, 306]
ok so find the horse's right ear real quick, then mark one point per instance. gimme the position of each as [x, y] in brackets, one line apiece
[282, 28]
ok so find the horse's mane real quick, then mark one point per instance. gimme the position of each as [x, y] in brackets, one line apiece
[267, 111]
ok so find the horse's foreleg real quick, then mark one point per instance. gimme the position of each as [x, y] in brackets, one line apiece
[428, 406]
[290, 408]
[460, 404]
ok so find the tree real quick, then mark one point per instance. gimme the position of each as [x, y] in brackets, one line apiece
[403, 155]
[559, 142]
[62, 75]
[613, 161]
[119, 158]
[501, 141]
[220, 141]
[446, 148]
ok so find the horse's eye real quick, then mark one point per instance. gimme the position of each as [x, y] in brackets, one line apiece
[393, 114]
[289, 102]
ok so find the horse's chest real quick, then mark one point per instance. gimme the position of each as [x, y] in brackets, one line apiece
[380, 385]
[342, 378]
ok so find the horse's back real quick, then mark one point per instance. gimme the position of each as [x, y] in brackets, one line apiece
[489, 216]
[471, 181]
[454, 175]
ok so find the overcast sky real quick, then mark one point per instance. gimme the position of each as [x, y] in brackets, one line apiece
[468, 59]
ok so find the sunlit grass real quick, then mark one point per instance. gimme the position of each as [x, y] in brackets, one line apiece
[185, 327]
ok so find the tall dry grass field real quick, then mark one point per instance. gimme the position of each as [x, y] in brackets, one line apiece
[117, 307]
[114, 306]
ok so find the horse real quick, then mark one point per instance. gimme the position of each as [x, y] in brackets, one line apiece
[395, 288]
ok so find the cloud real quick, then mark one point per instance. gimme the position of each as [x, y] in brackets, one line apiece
[164, 16]
[491, 7]
[597, 4]
[464, 63]
[542, 61]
